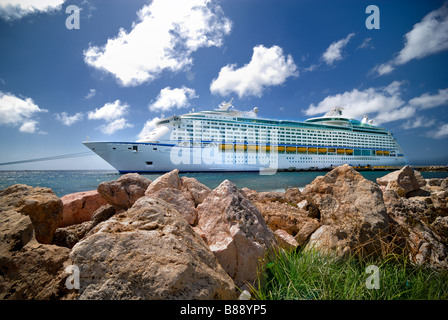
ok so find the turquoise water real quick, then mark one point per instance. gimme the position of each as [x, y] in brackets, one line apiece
[65, 182]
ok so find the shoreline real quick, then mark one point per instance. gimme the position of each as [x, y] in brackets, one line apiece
[143, 230]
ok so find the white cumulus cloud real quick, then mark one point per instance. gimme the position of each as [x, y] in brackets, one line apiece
[118, 124]
[18, 112]
[109, 112]
[113, 113]
[429, 36]
[173, 98]
[428, 101]
[69, 120]
[334, 51]
[440, 133]
[16, 9]
[268, 67]
[164, 37]
[384, 104]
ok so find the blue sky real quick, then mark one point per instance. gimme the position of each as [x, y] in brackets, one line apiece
[134, 61]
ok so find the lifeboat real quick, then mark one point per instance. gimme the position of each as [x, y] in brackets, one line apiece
[312, 150]
[341, 151]
[386, 153]
[281, 149]
[240, 147]
[348, 151]
[252, 148]
[322, 150]
[290, 149]
[265, 148]
[301, 149]
[379, 152]
[226, 146]
[331, 150]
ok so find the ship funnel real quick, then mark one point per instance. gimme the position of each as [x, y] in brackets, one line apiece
[364, 120]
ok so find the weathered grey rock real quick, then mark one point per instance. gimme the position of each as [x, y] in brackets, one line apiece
[123, 192]
[353, 206]
[148, 252]
[235, 232]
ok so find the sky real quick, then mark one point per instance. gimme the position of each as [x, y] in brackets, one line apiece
[76, 70]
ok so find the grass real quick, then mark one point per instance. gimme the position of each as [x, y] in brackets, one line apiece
[308, 275]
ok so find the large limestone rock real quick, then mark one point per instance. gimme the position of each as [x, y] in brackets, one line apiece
[79, 207]
[181, 201]
[352, 209]
[71, 235]
[402, 181]
[423, 233]
[235, 231]
[168, 180]
[42, 206]
[197, 190]
[28, 269]
[123, 192]
[148, 252]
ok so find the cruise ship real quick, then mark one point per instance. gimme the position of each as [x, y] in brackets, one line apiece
[226, 139]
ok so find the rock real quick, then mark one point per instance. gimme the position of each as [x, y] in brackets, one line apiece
[440, 226]
[330, 240]
[28, 270]
[353, 206]
[285, 240]
[36, 272]
[123, 192]
[197, 190]
[280, 215]
[79, 207]
[182, 202]
[235, 232]
[293, 195]
[148, 252]
[402, 181]
[267, 196]
[306, 230]
[422, 232]
[71, 235]
[42, 206]
[168, 180]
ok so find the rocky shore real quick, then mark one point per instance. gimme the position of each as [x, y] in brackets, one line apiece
[174, 238]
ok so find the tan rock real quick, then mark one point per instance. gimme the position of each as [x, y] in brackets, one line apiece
[197, 190]
[79, 207]
[235, 231]
[123, 192]
[285, 240]
[149, 252]
[181, 201]
[402, 181]
[353, 206]
[42, 206]
[168, 180]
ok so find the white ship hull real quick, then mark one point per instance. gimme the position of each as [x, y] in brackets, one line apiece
[159, 157]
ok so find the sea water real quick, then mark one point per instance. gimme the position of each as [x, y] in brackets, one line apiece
[63, 182]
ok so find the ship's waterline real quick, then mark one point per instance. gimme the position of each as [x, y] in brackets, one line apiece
[223, 140]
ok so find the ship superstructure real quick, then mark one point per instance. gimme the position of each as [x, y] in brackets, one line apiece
[230, 140]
